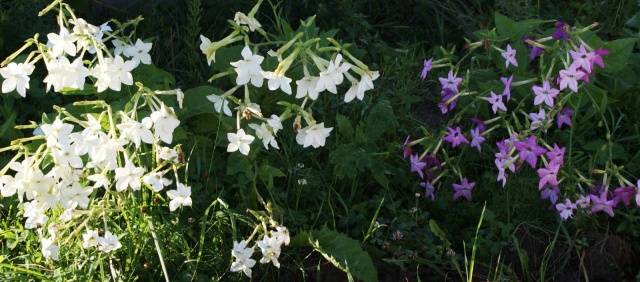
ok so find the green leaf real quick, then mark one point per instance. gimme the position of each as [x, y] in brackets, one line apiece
[345, 129]
[619, 52]
[196, 102]
[344, 253]
[508, 28]
[436, 230]
[267, 173]
[153, 77]
[380, 120]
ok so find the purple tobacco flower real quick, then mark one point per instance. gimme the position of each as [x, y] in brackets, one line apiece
[432, 167]
[480, 125]
[548, 175]
[507, 86]
[566, 209]
[447, 94]
[582, 58]
[624, 195]
[535, 50]
[406, 149]
[556, 155]
[583, 201]
[509, 56]
[551, 193]
[428, 65]
[561, 32]
[601, 204]
[429, 190]
[569, 78]
[455, 137]
[451, 82]
[529, 151]
[544, 94]
[564, 117]
[638, 193]
[463, 189]
[537, 119]
[597, 57]
[504, 160]
[417, 165]
[476, 138]
[496, 102]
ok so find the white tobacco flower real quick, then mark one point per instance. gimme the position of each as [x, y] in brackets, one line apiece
[206, 47]
[251, 22]
[62, 43]
[167, 154]
[112, 73]
[118, 46]
[7, 186]
[90, 238]
[180, 197]
[139, 52]
[64, 74]
[135, 131]
[270, 248]
[239, 141]
[35, 215]
[248, 69]
[277, 80]
[282, 235]
[220, 104]
[66, 156]
[104, 155]
[307, 87]
[242, 258]
[164, 123]
[16, 77]
[313, 135]
[265, 134]
[49, 249]
[75, 196]
[108, 243]
[129, 176]
[333, 76]
[99, 180]
[275, 123]
[156, 181]
[357, 90]
[57, 132]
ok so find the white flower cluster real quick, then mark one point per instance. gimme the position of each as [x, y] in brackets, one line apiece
[300, 54]
[270, 247]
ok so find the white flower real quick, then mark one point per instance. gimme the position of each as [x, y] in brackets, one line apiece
[50, 249]
[90, 238]
[277, 80]
[179, 97]
[167, 154]
[16, 77]
[66, 156]
[307, 87]
[248, 69]
[99, 180]
[75, 196]
[239, 141]
[220, 104]
[62, 43]
[242, 19]
[139, 52]
[112, 73]
[357, 90]
[313, 135]
[242, 255]
[164, 123]
[108, 243]
[333, 75]
[118, 47]
[270, 248]
[282, 235]
[128, 176]
[104, 154]
[179, 197]
[265, 135]
[64, 74]
[206, 47]
[57, 132]
[7, 186]
[34, 213]
[275, 123]
[135, 131]
[156, 181]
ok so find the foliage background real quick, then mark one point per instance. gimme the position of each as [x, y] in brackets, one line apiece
[360, 177]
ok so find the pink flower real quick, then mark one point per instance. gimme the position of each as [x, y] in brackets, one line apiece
[451, 82]
[496, 102]
[545, 94]
[509, 56]
[566, 209]
[569, 78]
[548, 175]
[529, 151]
[582, 58]
[564, 117]
[455, 137]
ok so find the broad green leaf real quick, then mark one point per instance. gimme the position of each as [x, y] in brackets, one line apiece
[267, 173]
[508, 28]
[380, 120]
[153, 77]
[619, 52]
[196, 102]
[344, 253]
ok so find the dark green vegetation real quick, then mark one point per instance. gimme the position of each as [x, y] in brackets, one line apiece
[358, 184]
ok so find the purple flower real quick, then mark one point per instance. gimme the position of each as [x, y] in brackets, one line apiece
[504, 160]
[496, 102]
[432, 167]
[569, 78]
[582, 58]
[455, 137]
[476, 138]
[583, 201]
[429, 190]
[417, 165]
[507, 86]
[564, 117]
[597, 57]
[544, 94]
[463, 189]
[548, 175]
[537, 119]
[451, 82]
[556, 155]
[551, 193]
[447, 94]
[480, 125]
[561, 31]
[509, 56]
[529, 151]
[601, 204]
[406, 149]
[428, 65]
[624, 195]
[566, 209]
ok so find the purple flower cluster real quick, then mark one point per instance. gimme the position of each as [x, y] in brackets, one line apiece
[600, 200]
[450, 86]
